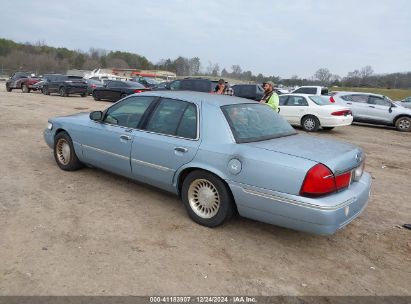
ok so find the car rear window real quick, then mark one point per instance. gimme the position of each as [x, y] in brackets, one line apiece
[324, 91]
[306, 91]
[321, 100]
[196, 85]
[255, 122]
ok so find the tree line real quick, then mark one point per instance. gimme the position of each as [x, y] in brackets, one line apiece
[40, 58]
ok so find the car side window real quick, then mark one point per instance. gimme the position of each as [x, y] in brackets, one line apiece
[129, 112]
[175, 85]
[379, 101]
[113, 84]
[359, 98]
[283, 100]
[188, 124]
[173, 117]
[296, 101]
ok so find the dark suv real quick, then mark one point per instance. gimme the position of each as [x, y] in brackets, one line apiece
[191, 84]
[65, 85]
[249, 91]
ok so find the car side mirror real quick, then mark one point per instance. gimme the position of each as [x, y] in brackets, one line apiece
[96, 115]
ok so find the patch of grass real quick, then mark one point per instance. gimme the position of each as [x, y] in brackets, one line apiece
[394, 94]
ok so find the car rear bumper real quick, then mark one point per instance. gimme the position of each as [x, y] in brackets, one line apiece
[336, 121]
[323, 215]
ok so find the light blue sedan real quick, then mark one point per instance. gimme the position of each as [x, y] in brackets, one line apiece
[221, 155]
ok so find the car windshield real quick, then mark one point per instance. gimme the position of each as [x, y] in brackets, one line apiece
[255, 122]
[321, 100]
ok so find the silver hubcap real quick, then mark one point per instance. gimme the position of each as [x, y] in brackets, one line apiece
[63, 151]
[309, 124]
[404, 124]
[204, 198]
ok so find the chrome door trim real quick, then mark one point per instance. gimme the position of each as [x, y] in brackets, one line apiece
[107, 152]
[151, 165]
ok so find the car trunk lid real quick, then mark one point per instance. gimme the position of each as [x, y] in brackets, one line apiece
[338, 156]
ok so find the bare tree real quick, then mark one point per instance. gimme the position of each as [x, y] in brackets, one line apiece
[323, 75]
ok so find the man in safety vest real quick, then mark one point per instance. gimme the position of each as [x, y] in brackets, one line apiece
[270, 96]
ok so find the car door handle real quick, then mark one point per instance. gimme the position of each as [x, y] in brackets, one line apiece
[372, 107]
[181, 149]
[349, 103]
[125, 137]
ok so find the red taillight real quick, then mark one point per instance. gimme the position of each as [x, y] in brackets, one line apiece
[332, 99]
[138, 91]
[343, 180]
[93, 86]
[341, 113]
[320, 181]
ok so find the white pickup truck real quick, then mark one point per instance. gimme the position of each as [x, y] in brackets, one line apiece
[313, 90]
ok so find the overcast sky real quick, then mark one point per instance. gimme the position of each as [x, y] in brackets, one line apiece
[281, 37]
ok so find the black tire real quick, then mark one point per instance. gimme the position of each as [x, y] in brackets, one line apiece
[8, 89]
[45, 91]
[83, 94]
[403, 124]
[200, 183]
[328, 128]
[95, 96]
[123, 96]
[63, 92]
[25, 88]
[64, 153]
[310, 123]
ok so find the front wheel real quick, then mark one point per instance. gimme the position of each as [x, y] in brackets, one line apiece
[46, 91]
[83, 94]
[25, 88]
[207, 199]
[403, 124]
[310, 123]
[64, 153]
[8, 89]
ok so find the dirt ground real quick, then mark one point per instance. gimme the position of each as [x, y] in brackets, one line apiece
[93, 233]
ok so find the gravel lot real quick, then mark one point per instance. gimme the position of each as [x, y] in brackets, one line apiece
[93, 233]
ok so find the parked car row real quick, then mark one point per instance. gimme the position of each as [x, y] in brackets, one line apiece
[311, 107]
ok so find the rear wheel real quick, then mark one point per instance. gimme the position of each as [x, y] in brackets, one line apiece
[328, 128]
[46, 91]
[25, 88]
[403, 124]
[123, 96]
[63, 92]
[64, 153]
[207, 199]
[96, 96]
[310, 123]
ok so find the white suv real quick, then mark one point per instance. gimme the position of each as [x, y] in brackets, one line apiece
[375, 109]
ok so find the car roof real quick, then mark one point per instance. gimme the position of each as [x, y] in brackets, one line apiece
[198, 97]
[301, 94]
[356, 93]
